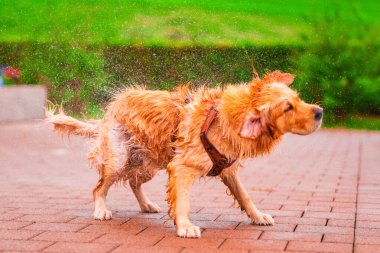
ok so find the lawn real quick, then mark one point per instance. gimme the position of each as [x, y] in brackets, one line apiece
[176, 23]
[83, 50]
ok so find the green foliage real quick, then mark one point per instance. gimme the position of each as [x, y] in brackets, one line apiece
[342, 70]
[75, 75]
[86, 50]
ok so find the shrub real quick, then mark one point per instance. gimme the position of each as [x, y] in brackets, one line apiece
[74, 75]
[341, 70]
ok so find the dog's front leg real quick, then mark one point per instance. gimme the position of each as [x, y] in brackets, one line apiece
[181, 178]
[231, 180]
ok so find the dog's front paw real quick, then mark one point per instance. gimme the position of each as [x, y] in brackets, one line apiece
[150, 208]
[102, 214]
[189, 231]
[263, 219]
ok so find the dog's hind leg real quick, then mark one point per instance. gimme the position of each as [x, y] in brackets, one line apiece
[109, 157]
[232, 181]
[100, 193]
[136, 180]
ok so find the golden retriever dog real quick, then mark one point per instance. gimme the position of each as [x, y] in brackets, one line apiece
[144, 131]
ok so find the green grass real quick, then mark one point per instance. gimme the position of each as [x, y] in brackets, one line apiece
[175, 22]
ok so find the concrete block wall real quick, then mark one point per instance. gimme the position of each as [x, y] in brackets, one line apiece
[22, 102]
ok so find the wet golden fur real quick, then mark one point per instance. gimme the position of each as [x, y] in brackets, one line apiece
[252, 119]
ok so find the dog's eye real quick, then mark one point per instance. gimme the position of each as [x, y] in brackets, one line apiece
[290, 107]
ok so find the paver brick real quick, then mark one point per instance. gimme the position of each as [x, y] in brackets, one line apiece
[46, 218]
[359, 248]
[128, 239]
[291, 236]
[276, 227]
[14, 224]
[313, 200]
[63, 227]
[152, 249]
[323, 229]
[319, 247]
[254, 244]
[229, 233]
[21, 245]
[191, 243]
[80, 247]
[338, 238]
[18, 234]
[67, 236]
[361, 239]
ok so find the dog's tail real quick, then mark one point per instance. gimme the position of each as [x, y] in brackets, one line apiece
[66, 125]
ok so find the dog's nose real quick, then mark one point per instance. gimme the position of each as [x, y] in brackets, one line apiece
[318, 113]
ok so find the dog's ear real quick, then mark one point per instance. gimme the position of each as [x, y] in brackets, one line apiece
[278, 76]
[253, 125]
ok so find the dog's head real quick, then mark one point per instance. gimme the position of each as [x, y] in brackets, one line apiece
[276, 109]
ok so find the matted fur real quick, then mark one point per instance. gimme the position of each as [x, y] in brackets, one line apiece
[164, 127]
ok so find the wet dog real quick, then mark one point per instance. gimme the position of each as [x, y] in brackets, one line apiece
[144, 131]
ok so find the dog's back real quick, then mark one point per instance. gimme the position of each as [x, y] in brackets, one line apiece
[151, 116]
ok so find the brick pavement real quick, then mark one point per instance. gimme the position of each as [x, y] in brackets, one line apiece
[323, 191]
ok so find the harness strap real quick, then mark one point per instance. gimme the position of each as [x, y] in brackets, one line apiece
[220, 161]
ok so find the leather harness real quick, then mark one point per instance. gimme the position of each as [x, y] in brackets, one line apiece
[220, 161]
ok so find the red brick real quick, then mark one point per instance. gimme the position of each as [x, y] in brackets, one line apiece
[253, 244]
[343, 209]
[57, 200]
[323, 229]
[291, 236]
[229, 233]
[128, 239]
[44, 211]
[341, 223]
[126, 215]
[17, 234]
[204, 217]
[284, 213]
[351, 199]
[66, 236]
[361, 239]
[367, 231]
[78, 212]
[153, 231]
[80, 247]
[368, 224]
[14, 224]
[319, 247]
[306, 208]
[327, 215]
[19, 245]
[367, 248]
[219, 210]
[275, 227]
[300, 221]
[46, 218]
[91, 220]
[156, 249]
[112, 229]
[217, 224]
[233, 217]
[368, 217]
[148, 223]
[338, 238]
[9, 216]
[191, 243]
[207, 250]
[63, 227]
